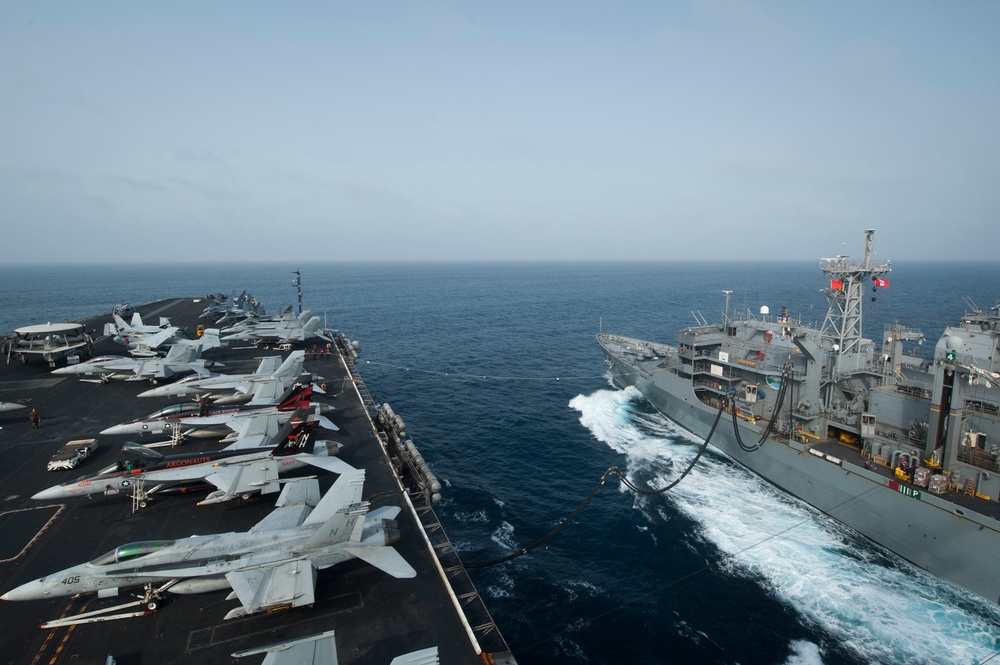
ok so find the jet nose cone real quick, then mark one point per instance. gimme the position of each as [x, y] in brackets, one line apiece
[153, 392]
[55, 492]
[64, 370]
[30, 591]
[116, 429]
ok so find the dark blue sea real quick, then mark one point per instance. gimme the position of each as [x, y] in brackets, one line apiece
[497, 374]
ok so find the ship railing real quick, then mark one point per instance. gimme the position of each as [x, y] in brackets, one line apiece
[349, 355]
[914, 391]
[706, 367]
[978, 458]
[897, 437]
[983, 406]
[391, 430]
[485, 629]
[714, 386]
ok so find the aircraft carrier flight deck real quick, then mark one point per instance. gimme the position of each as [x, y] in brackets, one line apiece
[376, 617]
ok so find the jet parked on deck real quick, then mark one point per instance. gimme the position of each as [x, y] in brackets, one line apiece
[180, 359]
[272, 565]
[193, 417]
[233, 471]
[270, 369]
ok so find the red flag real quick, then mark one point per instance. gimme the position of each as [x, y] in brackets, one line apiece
[836, 285]
[881, 283]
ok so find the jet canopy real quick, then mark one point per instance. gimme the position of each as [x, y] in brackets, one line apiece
[174, 410]
[132, 551]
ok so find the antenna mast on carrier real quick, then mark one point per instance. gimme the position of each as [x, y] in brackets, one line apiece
[842, 327]
[298, 283]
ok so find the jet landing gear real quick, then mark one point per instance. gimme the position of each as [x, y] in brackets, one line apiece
[150, 597]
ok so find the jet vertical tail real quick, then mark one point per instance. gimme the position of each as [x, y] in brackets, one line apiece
[297, 436]
[340, 514]
[268, 365]
[298, 395]
[266, 392]
[210, 339]
[182, 353]
[345, 492]
[293, 364]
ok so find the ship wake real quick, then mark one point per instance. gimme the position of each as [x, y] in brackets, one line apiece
[862, 596]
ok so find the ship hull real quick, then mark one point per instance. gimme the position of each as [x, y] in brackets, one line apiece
[956, 545]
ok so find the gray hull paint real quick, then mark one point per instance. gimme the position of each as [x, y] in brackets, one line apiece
[963, 549]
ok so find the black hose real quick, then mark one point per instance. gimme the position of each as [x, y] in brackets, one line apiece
[612, 471]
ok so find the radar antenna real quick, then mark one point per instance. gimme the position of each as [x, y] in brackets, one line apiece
[843, 324]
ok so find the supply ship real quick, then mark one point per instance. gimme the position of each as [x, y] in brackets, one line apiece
[901, 448]
[375, 617]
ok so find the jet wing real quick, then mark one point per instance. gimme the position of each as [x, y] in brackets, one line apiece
[253, 476]
[267, 392]
[321, 649]
[290, 583]
[150, 368]
[383, 557]
[158, 338]
[294, 504]
[254, 430]
[427, 656]
[331, 464]
[318, 649]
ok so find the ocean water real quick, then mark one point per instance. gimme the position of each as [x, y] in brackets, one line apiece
[495, 369]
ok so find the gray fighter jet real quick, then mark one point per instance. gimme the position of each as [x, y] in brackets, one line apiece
[270, 368]
[181, 359]
[274, 564]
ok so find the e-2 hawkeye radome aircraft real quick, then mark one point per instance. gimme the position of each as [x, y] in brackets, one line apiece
[270, 368]
[202, 420]
[272, 565]
[233, 471]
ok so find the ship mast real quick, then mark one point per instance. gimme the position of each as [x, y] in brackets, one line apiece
[298, 283]
[842, 327]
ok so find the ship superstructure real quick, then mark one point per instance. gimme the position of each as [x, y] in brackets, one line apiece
[901, 448]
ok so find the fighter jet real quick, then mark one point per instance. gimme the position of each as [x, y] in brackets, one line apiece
[135, 333]
[272, 565]
[233, 471]
[283, 319]
[270, 368]
[181, 359]
[212, 421]
[288, 330]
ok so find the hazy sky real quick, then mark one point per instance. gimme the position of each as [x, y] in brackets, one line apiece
[708, 129]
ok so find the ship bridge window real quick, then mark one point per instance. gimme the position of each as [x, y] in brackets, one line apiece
[131, 551]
